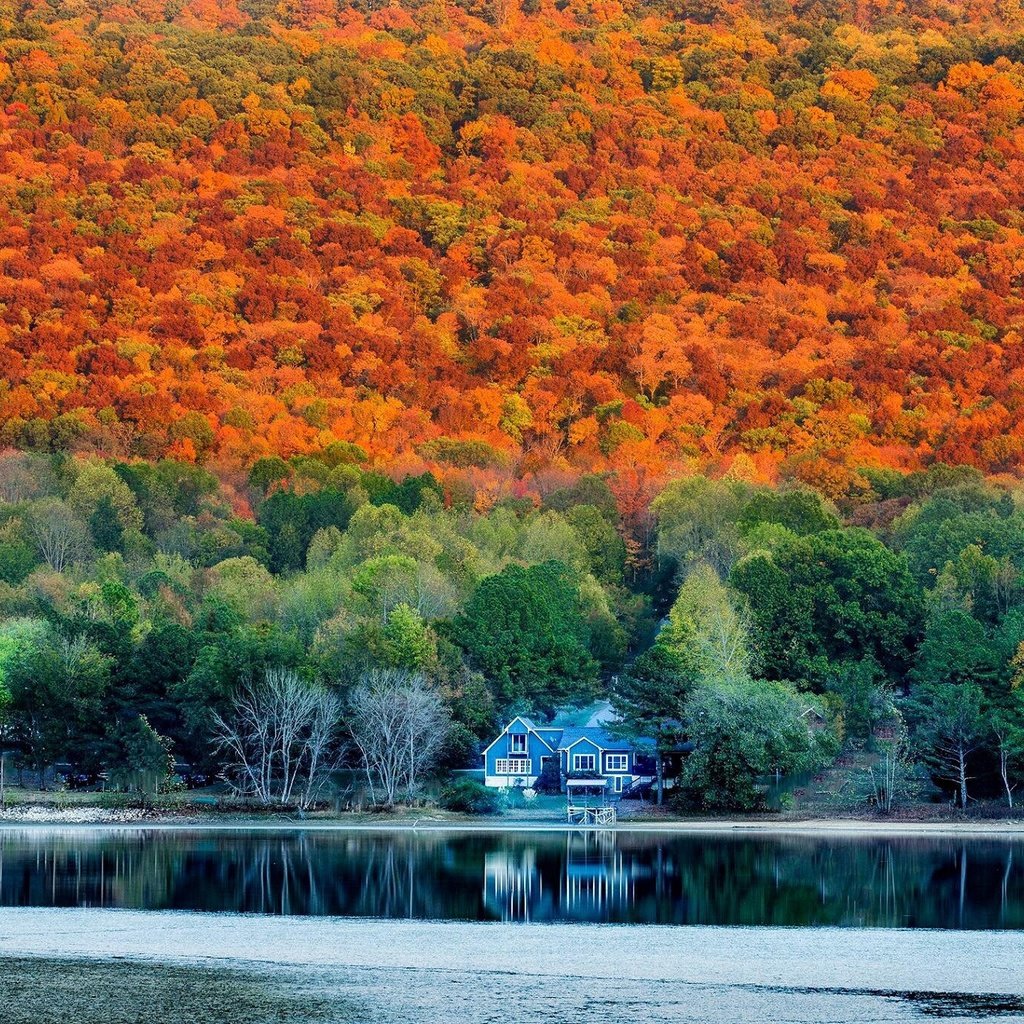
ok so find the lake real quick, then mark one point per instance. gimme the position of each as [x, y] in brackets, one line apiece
[607, 877]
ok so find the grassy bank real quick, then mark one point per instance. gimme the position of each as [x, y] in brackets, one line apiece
[811, 810]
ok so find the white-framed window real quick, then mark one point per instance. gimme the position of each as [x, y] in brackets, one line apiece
[518, 766]
[584, 762]
[616, 762]
[617, 783]
[517, 743]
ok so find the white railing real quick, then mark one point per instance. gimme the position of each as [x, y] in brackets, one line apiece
[514, 766]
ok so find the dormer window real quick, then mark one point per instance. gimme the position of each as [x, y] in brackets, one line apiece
[517, 743]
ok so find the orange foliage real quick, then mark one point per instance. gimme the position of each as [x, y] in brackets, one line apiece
[693, 234]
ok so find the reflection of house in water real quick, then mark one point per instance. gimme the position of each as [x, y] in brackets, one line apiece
[514, 888]
[589, 880]
[597, 878]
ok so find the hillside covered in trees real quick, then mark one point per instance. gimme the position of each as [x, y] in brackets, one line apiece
[139, 613]
[501, 238]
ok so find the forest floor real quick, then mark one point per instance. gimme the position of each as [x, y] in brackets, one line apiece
[103, 967]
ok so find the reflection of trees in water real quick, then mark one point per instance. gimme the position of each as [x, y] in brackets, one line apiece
[628, 877]
[913, 883]
[800, 881]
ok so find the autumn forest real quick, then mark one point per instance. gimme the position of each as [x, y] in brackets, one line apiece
[500, 239]
[511, 355]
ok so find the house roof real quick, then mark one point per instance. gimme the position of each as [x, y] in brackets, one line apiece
[595, 734]
[599, 712]
[557, 738]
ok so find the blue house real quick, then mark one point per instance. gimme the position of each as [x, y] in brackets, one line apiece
[518, 755]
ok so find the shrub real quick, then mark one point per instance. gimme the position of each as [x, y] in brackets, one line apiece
[550, 778]
[470, 797]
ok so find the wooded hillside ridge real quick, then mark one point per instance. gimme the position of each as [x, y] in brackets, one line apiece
[500, 239]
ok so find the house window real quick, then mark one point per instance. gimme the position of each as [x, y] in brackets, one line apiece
[616, 762]
[517, 743]
[617, 783]
[583, 762]
[519, 766]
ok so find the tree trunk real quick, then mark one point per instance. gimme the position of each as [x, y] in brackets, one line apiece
[962, 764]
[1004, 772]
[660, 770]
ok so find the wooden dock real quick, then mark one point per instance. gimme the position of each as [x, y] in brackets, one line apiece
[587, 803]
[592, 817]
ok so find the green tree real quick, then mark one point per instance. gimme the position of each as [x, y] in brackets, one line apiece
[406, 641]
[935, 532]
[708, 626]
[291, 520]
[140, 759]
[802, 511]
[160, 663]
[949, 725]
[978, 583]
[649, 699]
[267, 472]
[524, 630]
[16, 639]
[957, 648]
[588, 492]
[105, 526]
[57, 686]
[97, 484]
[697, 522]
[386, 582]
[865, 695]
[17, 552]
[605, 547]
[741, 732]
[835, 596]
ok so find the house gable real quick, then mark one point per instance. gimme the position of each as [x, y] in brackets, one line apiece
[524, 725]
[584, 748]
[584, 739]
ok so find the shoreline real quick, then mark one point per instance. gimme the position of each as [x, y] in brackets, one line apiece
[82, 964]
[726, 826]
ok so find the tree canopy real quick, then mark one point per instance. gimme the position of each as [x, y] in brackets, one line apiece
[740, 237]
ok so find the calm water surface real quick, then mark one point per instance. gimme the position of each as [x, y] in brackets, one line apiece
[620, 877]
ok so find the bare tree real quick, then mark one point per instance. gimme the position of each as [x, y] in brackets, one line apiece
[282, 737]
[22, 476]
[400, 726]
[890, 778]
[59, 533]
[1008, 730]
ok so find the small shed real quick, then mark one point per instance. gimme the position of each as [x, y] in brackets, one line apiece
[814, 719]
